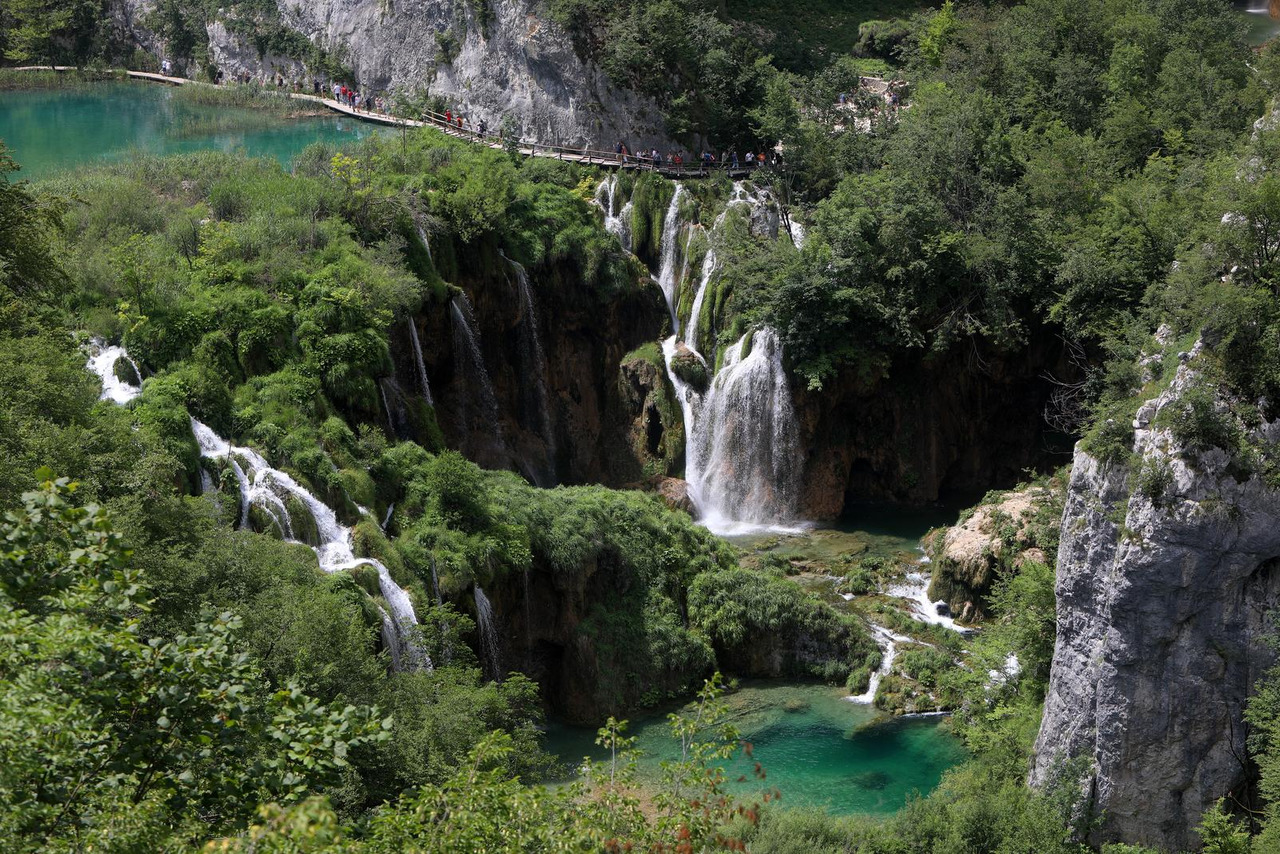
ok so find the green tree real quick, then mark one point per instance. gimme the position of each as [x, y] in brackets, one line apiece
[102, 727]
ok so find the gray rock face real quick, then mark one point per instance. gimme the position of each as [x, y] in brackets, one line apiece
[521, 64]
[1161, 611]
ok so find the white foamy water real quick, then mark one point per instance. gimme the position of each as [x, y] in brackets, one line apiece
[267, 488]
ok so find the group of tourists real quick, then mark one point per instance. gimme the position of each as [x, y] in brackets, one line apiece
[729, 159]
[354, 99]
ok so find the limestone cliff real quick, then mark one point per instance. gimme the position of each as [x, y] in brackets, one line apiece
[513, 63]
[1167, 571]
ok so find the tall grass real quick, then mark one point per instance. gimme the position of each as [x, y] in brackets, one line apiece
[46, 78]
[239, 96]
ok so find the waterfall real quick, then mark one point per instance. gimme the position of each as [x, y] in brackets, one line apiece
[267, 488]
[102, 361]
[916, 590]
[466, 354]
[606, 198]
[393, 402]
[668, 278]
[492, 659]
[534, 361]
[426, 244]
[742, 460]
[888, 643]
[423, 384]
[743, 463]
[391, 425]
[386, 520]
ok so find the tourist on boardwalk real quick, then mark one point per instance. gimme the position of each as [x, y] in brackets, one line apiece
[750, 159]
[484, 128]
[760, 159]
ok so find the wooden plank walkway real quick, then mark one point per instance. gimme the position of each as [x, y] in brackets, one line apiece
[586, 156]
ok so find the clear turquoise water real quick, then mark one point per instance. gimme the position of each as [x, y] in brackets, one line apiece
[51, 130]
[816, 747]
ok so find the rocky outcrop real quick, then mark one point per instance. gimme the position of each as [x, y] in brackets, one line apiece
[514, 62]
[1164, 586]
[1007, 530]
[950, 427]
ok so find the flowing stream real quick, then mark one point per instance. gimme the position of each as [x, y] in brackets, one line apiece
[270, 489]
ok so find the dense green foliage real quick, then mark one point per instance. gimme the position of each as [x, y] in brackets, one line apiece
[1054, 161]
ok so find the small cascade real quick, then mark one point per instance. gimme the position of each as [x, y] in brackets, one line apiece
[668, 276]
[618, 224]
[426, 244]
[268, 489]
[488, 635]
[535, 363]
[888, 642]
[467, 355]
[386, 520]
[386, 407]
[102, 361]
[916, 590]
[423, 385]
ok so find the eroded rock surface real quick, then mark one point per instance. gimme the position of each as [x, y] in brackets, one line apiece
[518, 63]
[1162, 606]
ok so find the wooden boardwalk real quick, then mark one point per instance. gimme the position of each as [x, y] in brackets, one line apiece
[586, 156]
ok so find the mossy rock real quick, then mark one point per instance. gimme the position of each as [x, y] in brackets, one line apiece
[690, 369]
[302, 522]
[264, 523]
[366, 577]
[125, 372]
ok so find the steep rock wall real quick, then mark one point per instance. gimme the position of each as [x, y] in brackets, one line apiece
[953, 426]
[1162, 603]
[517, 64]
[585, 335]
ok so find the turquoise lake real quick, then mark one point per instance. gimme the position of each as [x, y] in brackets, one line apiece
[50, 130]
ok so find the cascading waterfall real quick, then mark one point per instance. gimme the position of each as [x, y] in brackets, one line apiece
[386, 407]
[420, 363]
[535, 363]
[102, 361]
[668, 277]
[267, 488]
[466, 353]
[426, 244]
[488, 635]
[618, 224]
[742, 457]
[888, 642]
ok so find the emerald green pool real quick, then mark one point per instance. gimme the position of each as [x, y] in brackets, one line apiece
[49, 130]
[816, 747]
